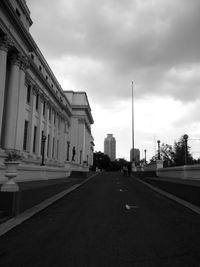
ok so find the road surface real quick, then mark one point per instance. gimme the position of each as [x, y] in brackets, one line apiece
[110, 221]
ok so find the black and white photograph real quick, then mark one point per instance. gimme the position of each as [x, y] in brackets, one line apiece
[99, 133]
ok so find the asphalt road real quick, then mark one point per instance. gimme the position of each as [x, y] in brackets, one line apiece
[110, 221]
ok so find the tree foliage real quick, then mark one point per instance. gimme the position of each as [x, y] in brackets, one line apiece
[180, 153]
[103, 162]
[176, 155]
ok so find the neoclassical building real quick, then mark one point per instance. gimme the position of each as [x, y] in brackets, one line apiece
[34, 106]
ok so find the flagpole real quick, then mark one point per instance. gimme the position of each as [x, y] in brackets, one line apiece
[133, 148]
[133, 121]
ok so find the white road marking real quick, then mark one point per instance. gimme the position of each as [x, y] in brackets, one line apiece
[128, 207]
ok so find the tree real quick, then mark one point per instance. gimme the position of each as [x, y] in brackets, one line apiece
[174, 155]
[101, 161]
[179, 153]
[167, 154]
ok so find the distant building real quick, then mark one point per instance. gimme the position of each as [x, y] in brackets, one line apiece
[110, 146]
[137, 155]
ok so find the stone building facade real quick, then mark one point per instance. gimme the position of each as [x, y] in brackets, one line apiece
[34, 105]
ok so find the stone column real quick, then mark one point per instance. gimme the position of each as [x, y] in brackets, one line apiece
[46, 131]
[32, 122]
[51, 132]
[4, 46]
[11, 104]
[21, 106]
[40, 112]
[62, 142]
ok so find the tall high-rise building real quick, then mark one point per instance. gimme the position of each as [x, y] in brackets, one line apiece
[110, 146]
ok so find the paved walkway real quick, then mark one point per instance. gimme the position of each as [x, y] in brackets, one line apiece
[111, 221]
[7, 223]
[193, 182]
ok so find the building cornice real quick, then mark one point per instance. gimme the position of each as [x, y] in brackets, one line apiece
[86, 108]
[24, 7]
[41, 77]
[17, 23]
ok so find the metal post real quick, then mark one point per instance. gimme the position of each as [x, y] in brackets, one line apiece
[185, 137]
[68, 146]
[133, 160]
[145, 156]
[43, 149]
[158, 149]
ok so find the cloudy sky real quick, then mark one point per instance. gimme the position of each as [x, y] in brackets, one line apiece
[102, 46]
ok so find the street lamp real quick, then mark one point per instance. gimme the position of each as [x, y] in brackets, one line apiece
[185, 137]
[43, 148]
[68, 146]
[158, 149]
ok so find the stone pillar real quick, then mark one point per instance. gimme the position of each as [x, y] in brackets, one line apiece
[46, 130]
[11, 104]
[51, 132]
[68, 149]
[55, 134]
[4, 45]
[38, 143]
[62, 142]
[32, 121]
[159, 164]
[21, 106]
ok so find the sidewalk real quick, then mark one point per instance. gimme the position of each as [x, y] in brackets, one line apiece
[61, 188]
[191, 182]
[185, 189]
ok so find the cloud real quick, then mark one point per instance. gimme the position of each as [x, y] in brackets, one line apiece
[141, 40]
[102, 46]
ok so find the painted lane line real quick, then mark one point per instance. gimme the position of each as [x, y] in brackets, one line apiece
[128, 207]
[122, 190]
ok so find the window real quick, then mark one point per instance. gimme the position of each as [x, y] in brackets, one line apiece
[49, 113]
[41, 145]
[54, 118]
[57, 148]
[25, 135]
[37, 102]
[28, 95]
[53, 147]
[59, 122]
[44, 108]
[18, 13]
[46, 77]
[40, 68]
[34, 138]
[48, 142]
[32, 56]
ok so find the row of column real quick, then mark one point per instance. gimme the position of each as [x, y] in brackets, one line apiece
[54, 132]
[12, 79]
[12, 108]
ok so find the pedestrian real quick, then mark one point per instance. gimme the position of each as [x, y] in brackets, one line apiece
[129, 169]
[125, 170]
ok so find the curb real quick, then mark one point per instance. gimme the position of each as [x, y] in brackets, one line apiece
[20, 218]
[184, 203]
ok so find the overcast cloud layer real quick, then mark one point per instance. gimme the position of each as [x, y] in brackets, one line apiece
[101, 46]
